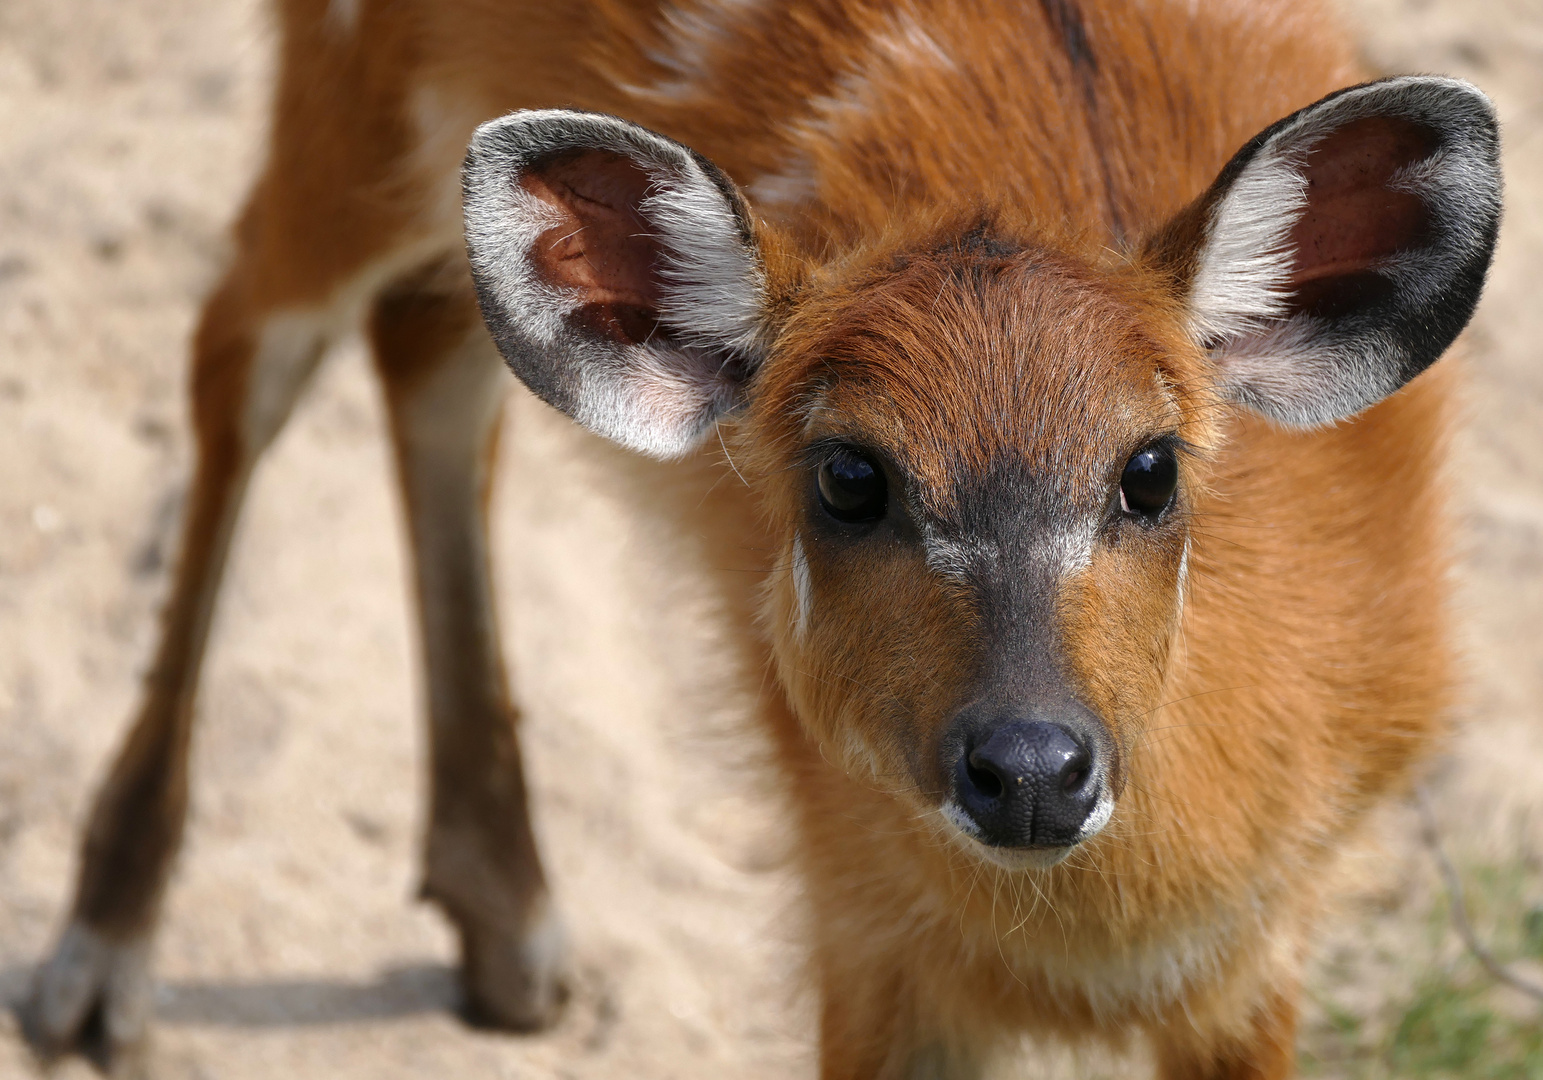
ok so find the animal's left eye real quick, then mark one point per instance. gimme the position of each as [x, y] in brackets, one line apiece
[1148, 482]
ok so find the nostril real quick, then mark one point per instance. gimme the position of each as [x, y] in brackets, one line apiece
[1074, 774]
[985, 781]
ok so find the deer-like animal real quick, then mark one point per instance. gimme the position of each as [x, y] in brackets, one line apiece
[1071, 360]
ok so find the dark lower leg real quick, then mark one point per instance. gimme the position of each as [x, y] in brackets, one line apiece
[480, 862]
[445, 388]
[136, 824]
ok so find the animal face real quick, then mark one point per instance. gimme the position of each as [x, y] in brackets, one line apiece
[978, 442]
[978, 452]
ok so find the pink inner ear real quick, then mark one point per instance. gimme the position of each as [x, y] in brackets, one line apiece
[1353, 220]
[603, 249]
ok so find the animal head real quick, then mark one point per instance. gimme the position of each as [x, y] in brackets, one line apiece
[979, 442]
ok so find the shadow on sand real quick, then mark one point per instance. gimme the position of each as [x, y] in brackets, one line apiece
[405, 990]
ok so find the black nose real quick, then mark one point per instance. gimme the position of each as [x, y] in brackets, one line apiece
[1027, 784]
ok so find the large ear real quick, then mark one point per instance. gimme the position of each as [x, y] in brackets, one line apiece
[1342, 250]
[617, 271]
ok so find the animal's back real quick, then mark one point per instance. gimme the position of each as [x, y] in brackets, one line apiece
[1102, 115]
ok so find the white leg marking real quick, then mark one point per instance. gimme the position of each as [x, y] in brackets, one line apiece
[85, 968]
[544, 954]
[288, 350]
[451, 414]
[293, 342]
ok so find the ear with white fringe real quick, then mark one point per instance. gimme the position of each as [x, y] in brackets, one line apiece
[617, 271]
[1343, 249]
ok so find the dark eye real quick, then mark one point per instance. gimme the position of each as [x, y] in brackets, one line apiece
[852, 487]
[1146, 485]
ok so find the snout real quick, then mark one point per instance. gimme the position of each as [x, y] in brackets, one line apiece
[1028, 784]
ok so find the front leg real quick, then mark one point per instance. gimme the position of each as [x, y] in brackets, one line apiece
[445, 389]
[100, 967]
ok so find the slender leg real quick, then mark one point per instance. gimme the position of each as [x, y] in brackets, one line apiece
[1267, 1052]
[445, 387]
[247, 371]
[346, 203]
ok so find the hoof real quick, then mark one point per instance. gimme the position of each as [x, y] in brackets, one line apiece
[93, 996]
[515, 981]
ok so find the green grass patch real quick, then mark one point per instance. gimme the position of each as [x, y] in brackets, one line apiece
[1443, 1017]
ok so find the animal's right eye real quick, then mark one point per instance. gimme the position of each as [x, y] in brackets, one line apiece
[852, 487]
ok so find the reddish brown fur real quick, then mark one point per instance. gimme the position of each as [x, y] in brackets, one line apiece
[1295, 519]
[1311, 644]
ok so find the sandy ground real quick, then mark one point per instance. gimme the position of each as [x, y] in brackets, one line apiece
[292, 946]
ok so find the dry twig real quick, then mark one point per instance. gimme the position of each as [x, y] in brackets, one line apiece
[1500, 972]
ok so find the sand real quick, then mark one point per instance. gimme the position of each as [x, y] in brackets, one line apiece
[292, 944]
